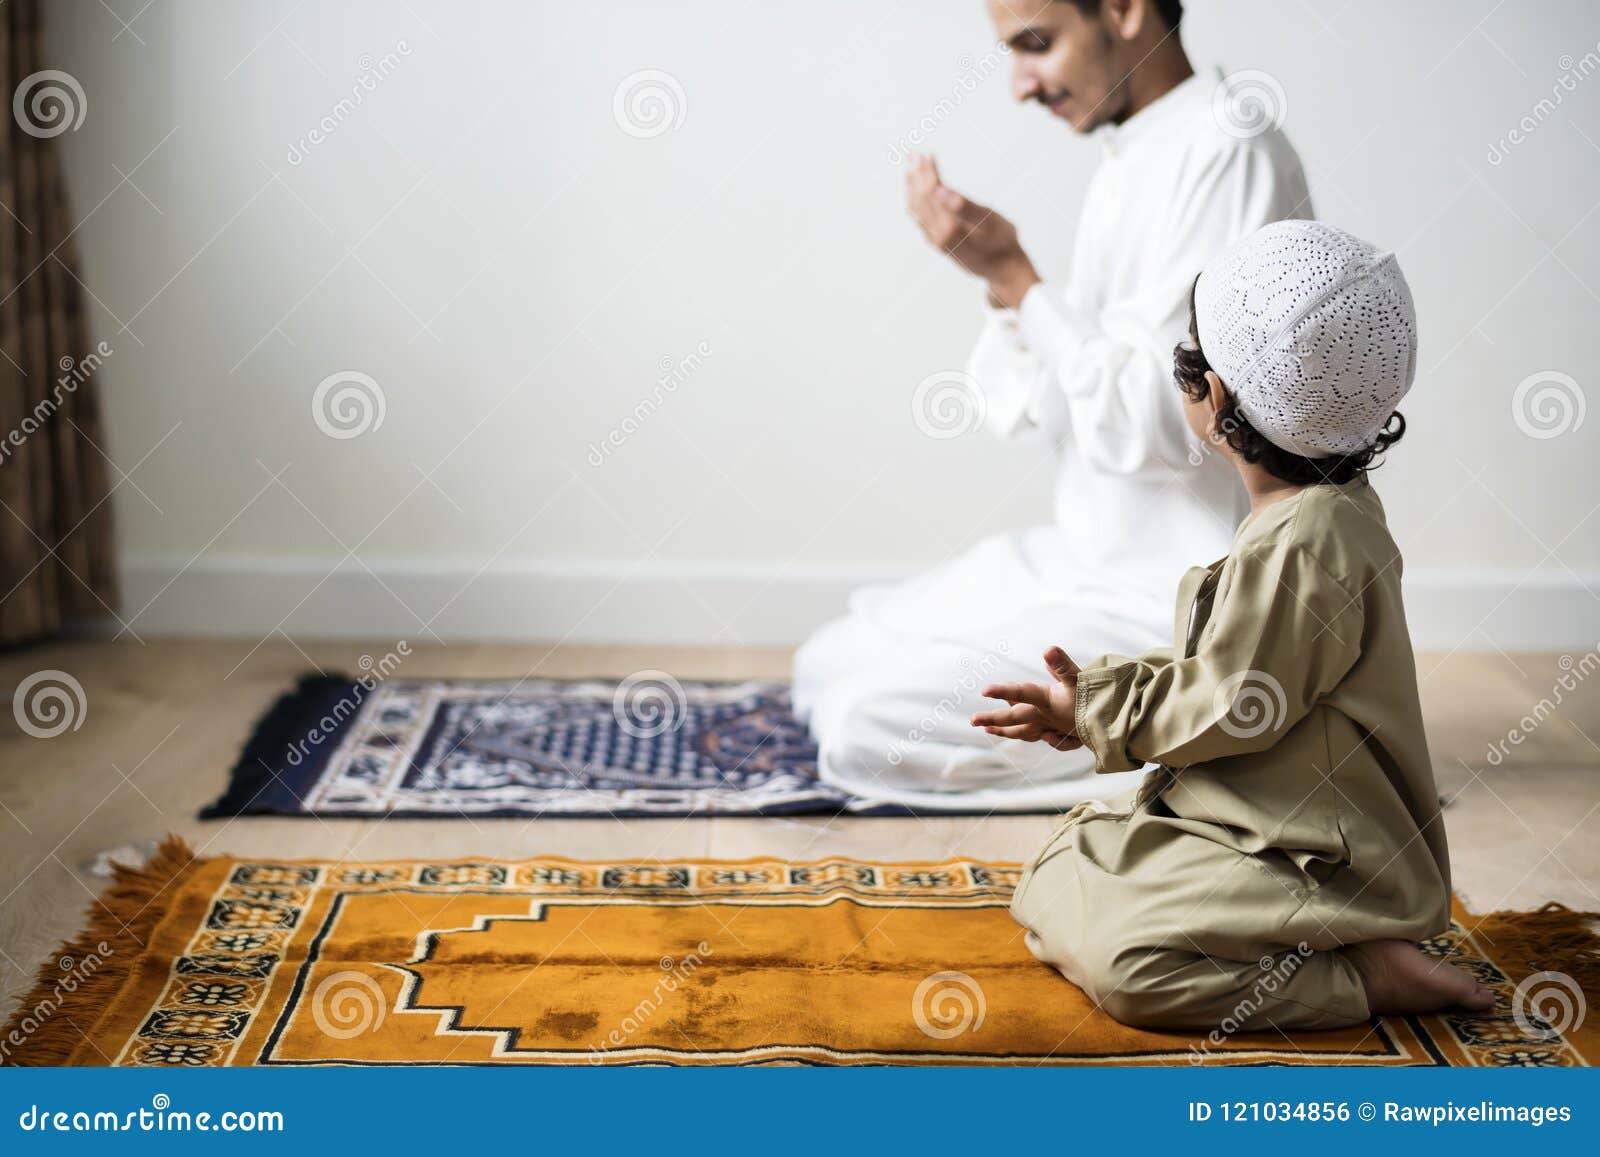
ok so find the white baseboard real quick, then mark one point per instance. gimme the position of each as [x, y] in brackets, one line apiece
[717, 602]
[1489, 611]
[711, 602]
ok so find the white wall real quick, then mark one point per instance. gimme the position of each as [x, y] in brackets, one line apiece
[481, 238]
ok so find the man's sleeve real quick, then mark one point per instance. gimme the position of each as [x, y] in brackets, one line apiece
[1113, 366]
[1017, 388]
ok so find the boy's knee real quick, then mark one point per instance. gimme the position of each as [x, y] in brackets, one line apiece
[1153, 989]
[1068, 948]
[1132, 1003]
[1134, 986]
[1139, 986]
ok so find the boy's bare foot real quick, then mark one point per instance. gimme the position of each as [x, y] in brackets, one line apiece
[1399, 980]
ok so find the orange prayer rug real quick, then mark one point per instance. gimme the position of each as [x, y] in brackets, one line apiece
[201, 962]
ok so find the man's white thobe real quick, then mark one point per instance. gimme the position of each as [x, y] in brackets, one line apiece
[889, 688]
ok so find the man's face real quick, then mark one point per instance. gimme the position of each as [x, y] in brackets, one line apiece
[1068, 60]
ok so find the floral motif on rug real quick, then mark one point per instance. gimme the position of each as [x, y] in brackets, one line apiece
[644, 746]
[554, 961]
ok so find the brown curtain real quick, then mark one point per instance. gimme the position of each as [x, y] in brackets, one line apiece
[56, 562]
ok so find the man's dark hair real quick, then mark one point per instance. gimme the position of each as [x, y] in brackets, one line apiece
[1189, 367]
[1170, 11]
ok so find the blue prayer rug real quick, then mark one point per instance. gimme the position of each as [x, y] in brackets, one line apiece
[648, 745]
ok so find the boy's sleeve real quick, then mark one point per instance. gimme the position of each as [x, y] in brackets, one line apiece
[1282, 635]
[1155, 657]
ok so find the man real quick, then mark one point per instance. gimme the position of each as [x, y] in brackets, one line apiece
[1086, 362]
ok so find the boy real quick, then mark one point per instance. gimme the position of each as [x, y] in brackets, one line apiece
[1292, 825]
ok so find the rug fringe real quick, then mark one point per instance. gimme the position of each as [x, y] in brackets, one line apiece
[284, 723]
[124, 918]
[1553, 938]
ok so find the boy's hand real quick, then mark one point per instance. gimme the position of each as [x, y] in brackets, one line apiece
[1037, 713]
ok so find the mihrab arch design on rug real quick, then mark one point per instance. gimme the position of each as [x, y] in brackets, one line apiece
[556, 961]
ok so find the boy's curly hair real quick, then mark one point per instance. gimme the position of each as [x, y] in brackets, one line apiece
[1189, 368]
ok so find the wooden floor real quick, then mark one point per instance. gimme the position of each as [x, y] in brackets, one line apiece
[164, 721]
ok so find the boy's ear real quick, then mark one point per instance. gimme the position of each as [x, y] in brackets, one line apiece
[1218, 396]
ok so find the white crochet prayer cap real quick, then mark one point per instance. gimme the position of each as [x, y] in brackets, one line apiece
[1313, 332]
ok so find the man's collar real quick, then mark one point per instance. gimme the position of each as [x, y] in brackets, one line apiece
[1171, 109]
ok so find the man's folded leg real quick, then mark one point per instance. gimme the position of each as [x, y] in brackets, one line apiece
[903, 737]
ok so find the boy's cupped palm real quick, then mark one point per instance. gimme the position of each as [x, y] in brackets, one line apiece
[1038, 712]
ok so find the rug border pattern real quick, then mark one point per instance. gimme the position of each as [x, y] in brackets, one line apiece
[259, 906]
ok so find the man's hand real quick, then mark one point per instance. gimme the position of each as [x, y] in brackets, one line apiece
[1037, 713]
[981, 241]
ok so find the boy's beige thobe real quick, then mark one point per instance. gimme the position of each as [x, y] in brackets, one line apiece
[1294, 808]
